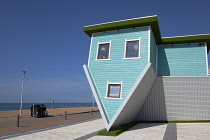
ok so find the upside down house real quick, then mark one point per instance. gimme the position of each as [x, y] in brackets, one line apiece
[136, 75]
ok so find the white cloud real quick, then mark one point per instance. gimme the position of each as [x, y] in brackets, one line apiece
[103, 49]
[136, 47]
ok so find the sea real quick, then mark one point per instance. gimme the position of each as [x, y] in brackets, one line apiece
[26, 106]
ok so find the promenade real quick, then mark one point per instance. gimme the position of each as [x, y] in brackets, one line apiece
[143, 131]
[8, 119]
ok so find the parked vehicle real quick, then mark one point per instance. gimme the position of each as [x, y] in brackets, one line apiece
[38, 110]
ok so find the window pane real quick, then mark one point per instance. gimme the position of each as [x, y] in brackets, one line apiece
[114, 90]
[132, 49]
[103, 51]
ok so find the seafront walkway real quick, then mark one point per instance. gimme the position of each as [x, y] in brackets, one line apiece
[9, 126]
[143, 131]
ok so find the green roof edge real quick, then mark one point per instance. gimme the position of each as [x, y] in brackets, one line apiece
[187, 39]
[151, 21]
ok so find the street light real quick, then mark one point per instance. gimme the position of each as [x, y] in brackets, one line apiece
[21, 99]
[93, 100]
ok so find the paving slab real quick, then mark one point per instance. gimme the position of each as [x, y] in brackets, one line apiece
[193, 131]
[30, 124]
[65, 133]
[141, 131]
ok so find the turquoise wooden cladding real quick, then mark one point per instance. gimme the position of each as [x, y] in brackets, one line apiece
[117, 69]
[153, 51]
[174, 57]
[182, 60]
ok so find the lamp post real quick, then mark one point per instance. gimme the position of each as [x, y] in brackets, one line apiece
[21, 99]
[93, 100]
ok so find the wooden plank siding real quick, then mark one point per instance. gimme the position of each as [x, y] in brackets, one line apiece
[117, 69]
[182, 60]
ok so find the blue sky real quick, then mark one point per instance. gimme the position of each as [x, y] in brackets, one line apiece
[46, 38]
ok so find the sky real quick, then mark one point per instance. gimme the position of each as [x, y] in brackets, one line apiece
[46, 39]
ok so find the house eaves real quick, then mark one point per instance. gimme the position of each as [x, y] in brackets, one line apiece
[187, 39]
[151, 21]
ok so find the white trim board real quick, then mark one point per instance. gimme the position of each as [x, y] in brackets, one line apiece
[149, 43]
[121, 112]
[113, 98]
[206, 59]
[95, 95]
[91, 40]
[100, 43]
[116, 119]
[107, 86]
[125, 45]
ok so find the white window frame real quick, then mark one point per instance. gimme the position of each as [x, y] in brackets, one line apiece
[139, 53]
[107, 88]
[101, 43]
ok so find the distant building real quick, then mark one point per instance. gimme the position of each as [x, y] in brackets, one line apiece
[135, 74]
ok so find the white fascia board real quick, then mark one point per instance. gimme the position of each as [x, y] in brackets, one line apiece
[95, 95]
[128, 96]
[206, 59]
[149, 43]
[90, 49]
[97, 51]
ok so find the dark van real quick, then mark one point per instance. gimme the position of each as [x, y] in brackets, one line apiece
[38, 110]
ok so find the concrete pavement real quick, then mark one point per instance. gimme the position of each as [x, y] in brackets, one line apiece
[64, 133]
[142, 131]
[158, 131]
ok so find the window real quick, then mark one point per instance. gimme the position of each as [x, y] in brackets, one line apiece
[132, 49]
[103, 51]
[114, 90]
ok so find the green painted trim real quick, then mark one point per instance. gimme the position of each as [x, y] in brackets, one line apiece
[117, 131]
[147, 21]
[187, 39]
[131, 23]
